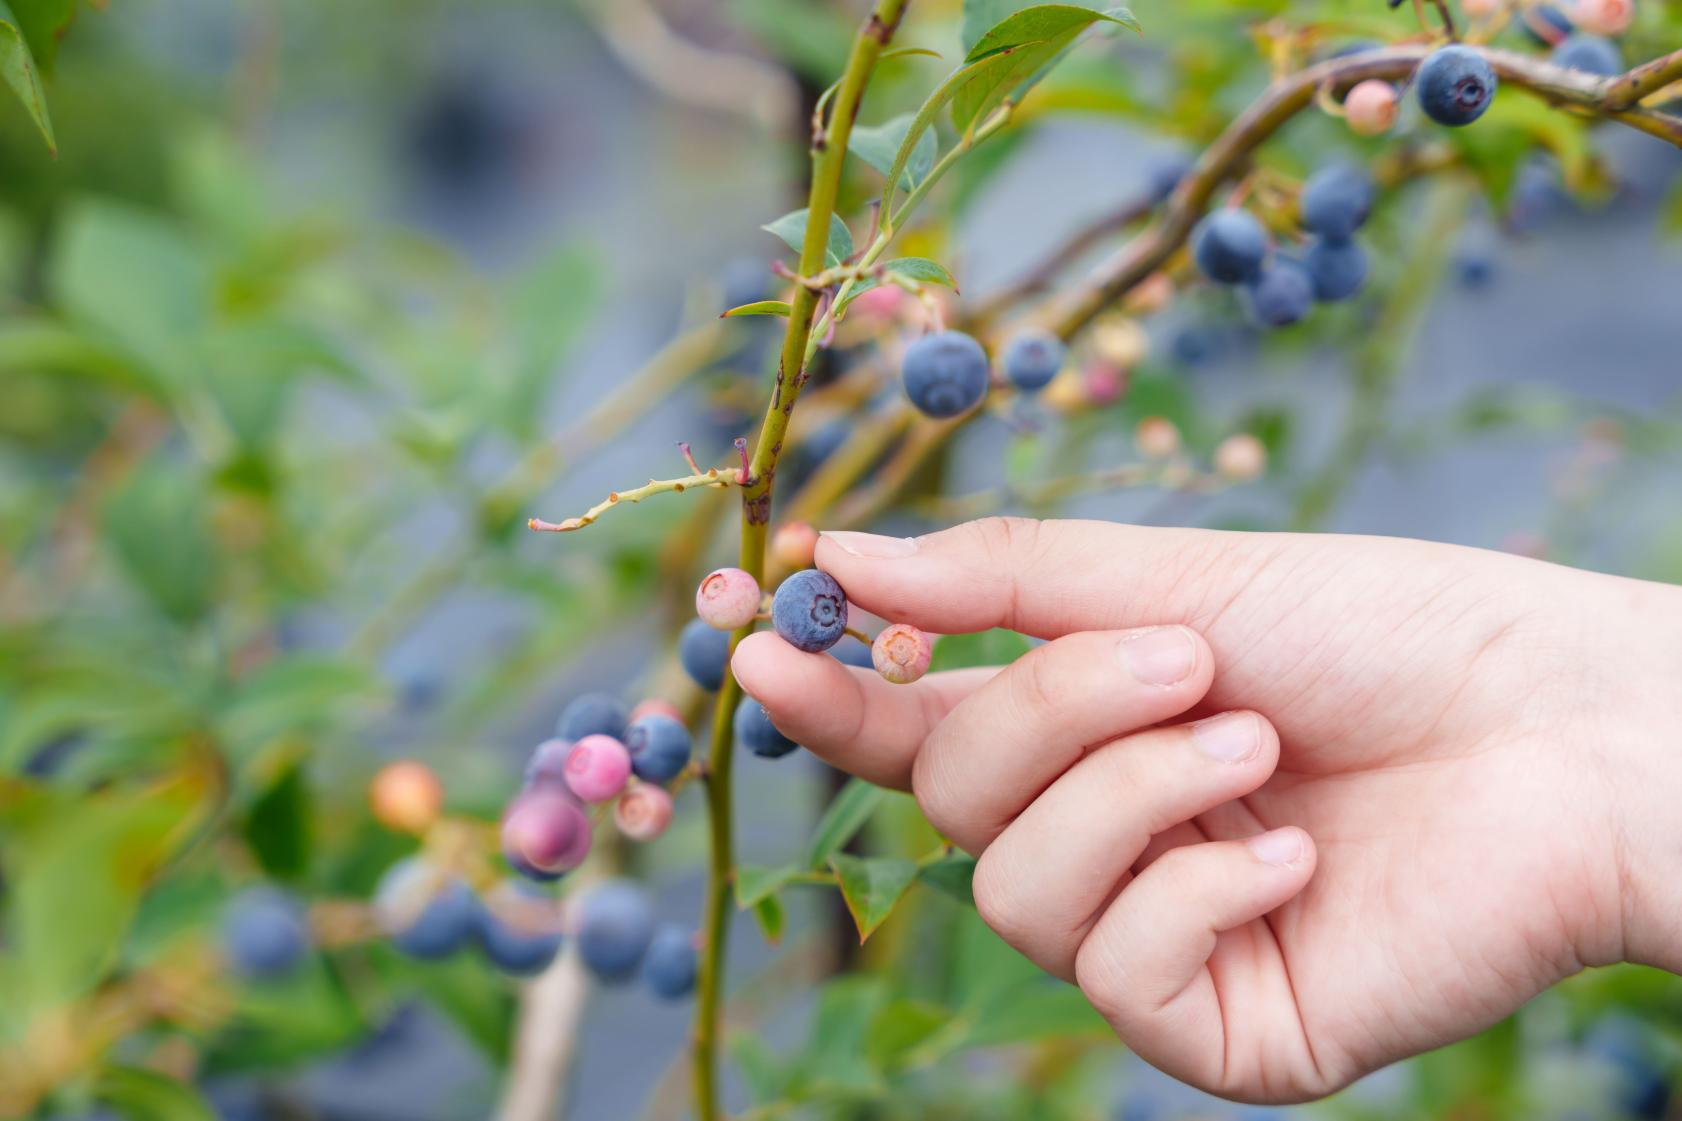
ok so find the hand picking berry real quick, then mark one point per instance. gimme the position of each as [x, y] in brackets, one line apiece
[809, 611]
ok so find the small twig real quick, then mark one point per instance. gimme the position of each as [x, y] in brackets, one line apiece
[712, 477]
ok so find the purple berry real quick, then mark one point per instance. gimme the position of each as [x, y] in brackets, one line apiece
[1032, 359]
[669, 967]
[945, 374]
[1336, 200]
[545, 833]
[755, 731]
[704, 653]
[265, 934]
[427, 914]
[615, 925]
[1229, 246]
[1456, 85]
[548, 762]
[591, 715]
[727, 599]
[659, 747]
[809, 611]
[597, 768]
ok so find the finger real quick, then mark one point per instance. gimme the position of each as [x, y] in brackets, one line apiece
[1044, 882]
[1145, 964]
[1045, 578]
[1007, 741]
[847, 716]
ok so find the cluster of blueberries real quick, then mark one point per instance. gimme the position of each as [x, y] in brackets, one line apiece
[947, 373]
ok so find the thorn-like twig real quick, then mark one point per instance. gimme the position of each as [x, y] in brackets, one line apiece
[688, 457]
[746, 474]
[709, 478]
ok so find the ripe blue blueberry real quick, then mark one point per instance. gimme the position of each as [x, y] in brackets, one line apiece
[615, 924]
[659, 747]
[1281, 296]
[1455, 84]
[517, 930]
[1229, 246]
[1640, 1089]
[1165, 173]
[850, 651]
[1336, 201]
[669, 967]
[1336, 269]
[704, 652]
[1032, 359]
[945, 374]
[1474, 269]
[592, 714]
[425, 917]
[809, 611]
[264, 933]
[1590, 54]
[755, 731]
[1545, 23]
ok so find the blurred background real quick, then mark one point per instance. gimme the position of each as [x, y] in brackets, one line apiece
[319, 301]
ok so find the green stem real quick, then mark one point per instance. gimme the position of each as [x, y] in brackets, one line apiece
[829, 153]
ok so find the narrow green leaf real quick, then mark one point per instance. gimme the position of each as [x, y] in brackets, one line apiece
[756, 881]
[278, 826]
[900, 1027]
[20, 70]
[759, 307]
[954, 875]
[987, 648]
[791, 228]
[925, 118]
[872, 887]
[908, 271]
[768, 912]
[878, 145]
[1029, 40]
[1041, 1009]
[840, 823]
[1040, 23]
[907, 52]
[139, 1094]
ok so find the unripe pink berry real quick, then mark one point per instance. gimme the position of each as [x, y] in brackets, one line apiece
[1370, 107]
[655, 706]
[727, 599]
[1157, 437]
[546, 829]
[901, 653]
[793, 544]
[1119, 342]
[406, 796]
[597, 768]
[1104, 383]
[1604, 17]
[879, 305]
[643, 812]
[1240, 458]
[1479, 9]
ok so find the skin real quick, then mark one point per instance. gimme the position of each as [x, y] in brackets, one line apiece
[1286, 808]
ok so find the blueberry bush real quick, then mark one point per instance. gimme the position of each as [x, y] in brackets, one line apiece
[249, 451]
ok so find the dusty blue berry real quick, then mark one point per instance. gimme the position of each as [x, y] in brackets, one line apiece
[1474, 269]
[1032, 359]
[615, 924]
[264, 933]
[704, 652]
[659, 747]
[1591, 54]
[755, 731]
[1456, 85]
[1336, 269]
[669, 967]
[425, 918]
[1281, 296]
[517, 933]
[1229, 246]
[1165, 173]
[590, 715]
[1336, 201]
[1545, 23]
[945, 373]
[809, 611]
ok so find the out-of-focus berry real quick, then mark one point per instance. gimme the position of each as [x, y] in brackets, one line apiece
[793, 544]
[427, 913]
[592, 714]
[1590, 54]
[1032, 358]
[1153, 293]
[1281, 296]
[265, 934]
[727, 599]
[1229, 246]
[704, 653]
[643, 812]
[1336, 200]
[755, 731]
[406, 796]
[548, 763]
[1370, 107]
[901, 653]
[1604, 17]
[669, 967]
[519, 929]
[1241, 458]
[851, 652]
[597, 768]
[1104, 384]
[1336, 269]
[615, 925]
[1120, 341]
[545, 833]
[1157, 437]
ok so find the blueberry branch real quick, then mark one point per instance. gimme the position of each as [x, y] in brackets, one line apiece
[712, 477]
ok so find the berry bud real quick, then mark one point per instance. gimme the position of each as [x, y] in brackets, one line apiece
[1157, 437]
[727, 599]
[1605, 17]
[901, 653]
[406, 796]
[643, 812]
[792, 545]
[1240, 458]
[597, 768]
[1370, 107]
[545, 833]
[1104, 384]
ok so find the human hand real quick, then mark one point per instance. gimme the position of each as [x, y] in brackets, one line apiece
[1423, 782]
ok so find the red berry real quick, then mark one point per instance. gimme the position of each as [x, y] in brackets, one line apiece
[597, 768]
[901, 653]
[727, 599]
[643, 812]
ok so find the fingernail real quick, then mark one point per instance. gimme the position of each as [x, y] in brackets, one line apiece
[1163, 656]
[1280, 847]
[1229, 738]
[872, 545]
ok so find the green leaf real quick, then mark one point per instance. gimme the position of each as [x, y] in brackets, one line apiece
[953, 875]
[791, 228]
[278, 826]
[1040, 1009]
[759, 307]
[756, 881]
[139, 1094]
[768, 912]
[20, 70]
[1030, 40]
[987, 648]
[835, 1058]
[909, 272]
[872, 887]
[762, 1071]
[155, 525]
[846, 815]
[925, 118]
[878, 145]
[902, 1026]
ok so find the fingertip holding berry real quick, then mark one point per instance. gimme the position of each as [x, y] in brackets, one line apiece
[1335, 201]
[704, 654]
[809, 611]
[545, 833]
[670, 964]
[794, 544]
[945, 374]
[1229, 246]
[1032, 358]
[901, 653]
[1456, 85]
[615, 926]
[592, 714]
[1370, 107]
[1157, 438]
[659, 747]
[755, 731]
[643, 812]
[1281, 295]
[597, 768]
[727, 599]
[406, 796]
[1241, 458]
[265, 934]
